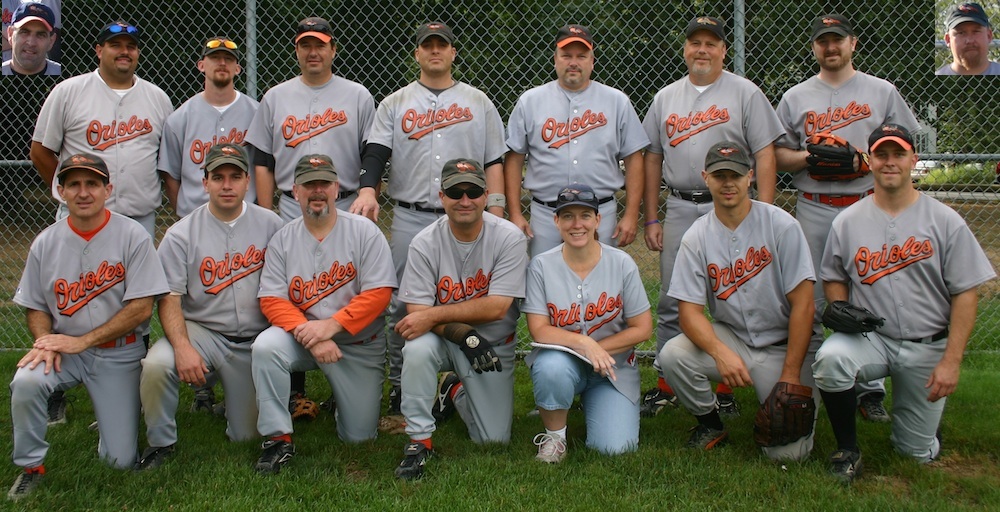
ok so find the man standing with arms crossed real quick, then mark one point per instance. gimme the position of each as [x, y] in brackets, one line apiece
[420, 127]
[842, 101]
[574, 130]
[326, 282]
[687, 117]
[464, 273]
[88, 287]
[908, 258]
[213, 260]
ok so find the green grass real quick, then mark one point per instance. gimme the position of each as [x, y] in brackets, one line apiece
[964, 174]
[210, 473]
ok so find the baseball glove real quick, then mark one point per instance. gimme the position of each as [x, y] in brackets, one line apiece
[787, 415]
[392, 424]
[831, 158]
[302, 408]
[476, 348]
[842, 316]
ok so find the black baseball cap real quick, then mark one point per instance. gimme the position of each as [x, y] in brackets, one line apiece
[33, 11]
[314, 27]
[709, 23]
[220, 44]
[574, 34]
[223, 154]
[315, 168]
[831, 24]
[94, 164]
[462, 170]
[435, 28]
[968, 11]
[891, 132]
[727, 155]
[577, 194]
[118, 28]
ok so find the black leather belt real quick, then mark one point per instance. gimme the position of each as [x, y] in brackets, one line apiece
[340, 195]
[553, 204]
[238, 339]
[695, 196]
[410, 206]
[930, 339]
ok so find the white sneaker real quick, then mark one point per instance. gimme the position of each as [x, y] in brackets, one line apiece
[551, 449]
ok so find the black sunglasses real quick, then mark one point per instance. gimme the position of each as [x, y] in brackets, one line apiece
[457, 193]
[567, 196]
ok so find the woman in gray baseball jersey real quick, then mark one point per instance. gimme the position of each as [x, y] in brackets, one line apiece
[586, 300]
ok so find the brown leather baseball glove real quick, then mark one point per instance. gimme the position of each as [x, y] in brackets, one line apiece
[302, 408]
[787, 415]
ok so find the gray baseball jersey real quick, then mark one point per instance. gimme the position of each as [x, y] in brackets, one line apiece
[574, 137]
[743, 276]
[851, 111]
[82, 280]
[190, 132]
[51, 68]
[83, 115]
[295, 120]
[425, 130]
[993, 69]
[597, 306]
[683, 123]
[215, 268]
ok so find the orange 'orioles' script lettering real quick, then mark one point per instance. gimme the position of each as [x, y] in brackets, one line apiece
[835, 118]
[606, 306]
[295, 131]
[694, 123]
[449, 290]
[237, 265]
[102, 136]
[878, 264]
[729, 279]
[563, 132]
[427, 122]
[306, 294]
[199, 148]
[70, 297]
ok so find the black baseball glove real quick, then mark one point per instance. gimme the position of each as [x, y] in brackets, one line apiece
[787, 415]
[477, 349]
[831, 158]
[842, 316]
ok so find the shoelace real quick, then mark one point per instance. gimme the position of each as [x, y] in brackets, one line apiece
[549, 444]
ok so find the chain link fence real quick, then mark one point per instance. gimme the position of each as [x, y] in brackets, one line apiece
[505, 48]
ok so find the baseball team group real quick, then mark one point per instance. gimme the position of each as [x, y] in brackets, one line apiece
[277, 267]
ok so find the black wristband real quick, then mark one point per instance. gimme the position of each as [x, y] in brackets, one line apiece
[373, 164]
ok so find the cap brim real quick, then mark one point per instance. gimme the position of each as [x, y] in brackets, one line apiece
[317, 175]
[577, 203]
[574, 39]
[209, 51]
[957, 21]
[904, 144]
[29, 19]
[326, 38]
[228, 160]
[840, 31]
[728, 166]
[82, 167]
[463, 178]
[445, 38]
[120, 34]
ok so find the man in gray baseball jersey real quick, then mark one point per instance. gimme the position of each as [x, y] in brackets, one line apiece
[32, 35]
[88, 287]
[315, 112]
[913, 261]
[417, 129]
[464, 270]
[748, 261]
[849, 104]
[968, 34]
[687, 117]
[120, 120]
[574, 130]
[326, 282]
[213, 259]
[218, 115]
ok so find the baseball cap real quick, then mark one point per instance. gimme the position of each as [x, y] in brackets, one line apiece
[831, 24]
[727, 155]
[94, 164]
[577, 194]
[220, 44]
[314, 168]
[435, 28]
[893, 132]
[462, 170]
[33, 11]
[574, 34]
[222, 154]
[118, 28]
[314, 27]
[968, 11]
[713, 25]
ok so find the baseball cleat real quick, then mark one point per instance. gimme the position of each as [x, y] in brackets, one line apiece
[415, 455]
[727, 405]
[153, 457]
[57, 408]
[204, 400]
[654, 401]
[395, 398]
[444, 406]
[845, 465]
[329, 405]
[551, 449]
[872, 409]
[706, 438]
[277, 453]
[25, 483]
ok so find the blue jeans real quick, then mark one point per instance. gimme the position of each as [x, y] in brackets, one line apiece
[612, 419]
